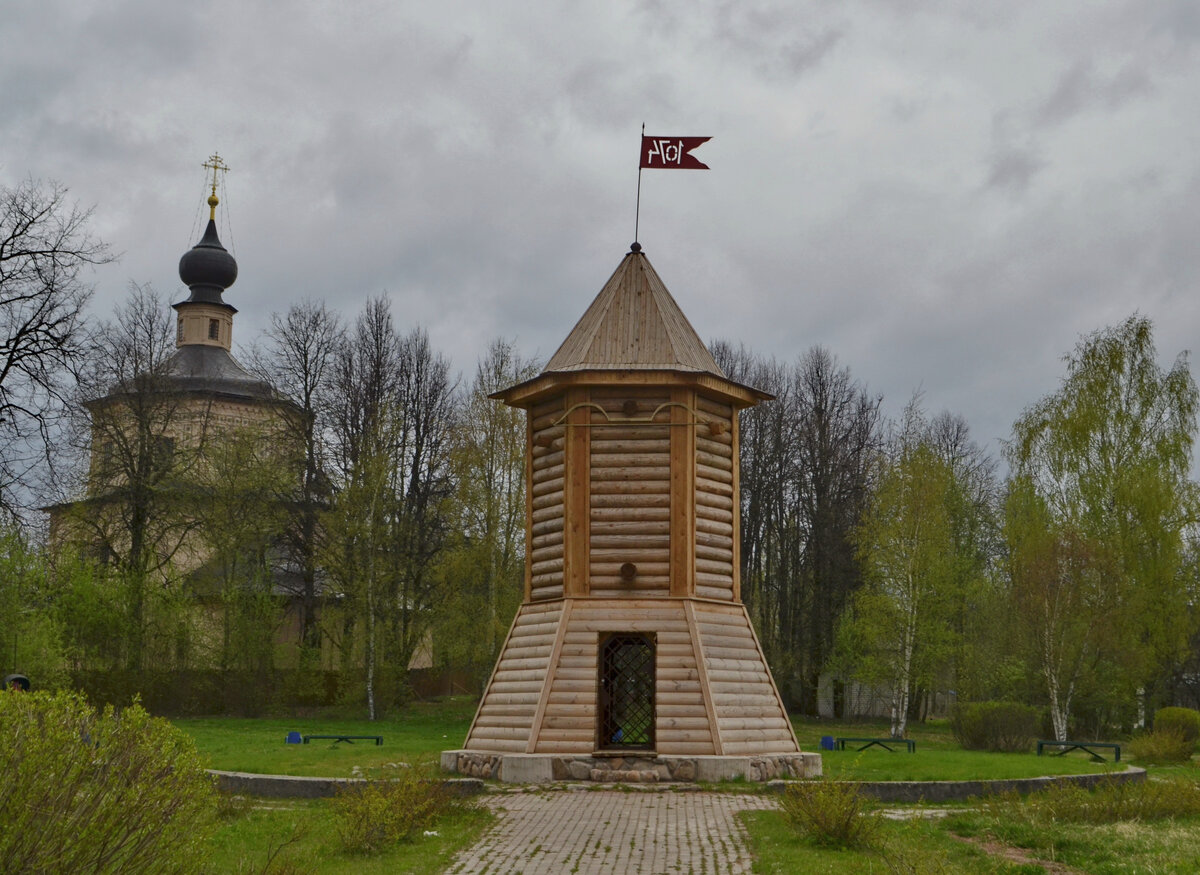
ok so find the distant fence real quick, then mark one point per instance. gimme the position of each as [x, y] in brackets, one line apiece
[197, 692]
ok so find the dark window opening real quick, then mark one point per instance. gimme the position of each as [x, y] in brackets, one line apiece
[626, 694]
[214, 328]
[179, 330]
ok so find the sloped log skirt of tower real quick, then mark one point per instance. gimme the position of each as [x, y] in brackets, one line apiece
[717, 713]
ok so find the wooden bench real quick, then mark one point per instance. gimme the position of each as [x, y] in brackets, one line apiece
[1085, 746]
[877, 742]
[349, 739]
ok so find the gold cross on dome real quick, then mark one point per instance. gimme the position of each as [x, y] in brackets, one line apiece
[215, 164]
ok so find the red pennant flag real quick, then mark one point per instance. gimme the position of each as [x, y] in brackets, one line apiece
[671, 153]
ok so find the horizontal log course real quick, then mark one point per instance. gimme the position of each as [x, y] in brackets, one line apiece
[632, 461]
[713, 527]
[612, 568]
[641, 542]
[547, 499]
[732, 642]
[498, 745]
[542, 461]
[507, 709]
[540, 566]
[685, 736]
[715, 475]
[663, 722]
[565, 747]
[501, 720]
[544, 625]
[705, 498]
[714, 554]
[715, 592]
[602, 446]
[623, 553]
[527, 698]
[722, 449]
[630, 472]
[630, 526]
[733, 624]
[554, 525]
[713, 462]
[568, 721]
[686, 709]
[716, 542]
[547, 487]
[547, 512]
[772, 724]
[566, 735]
[613, 586]
[750, 670]
[634, 431]
[717, 514]
[546, 591]
[713, 406]
[543, 417]
[629, 487]
[678, 748]
[563, 698]
[712, 653]
[612, 502]
[510, 732]
[711, 566]
[629, 514]
[543, 476]
[680, 698]
[713, 487]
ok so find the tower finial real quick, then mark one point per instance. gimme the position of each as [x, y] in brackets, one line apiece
[215, 164]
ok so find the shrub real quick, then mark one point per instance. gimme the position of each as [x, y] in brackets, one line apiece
[1185, 721]
[1109, 802]
[831, 814]
[380, 812]
[999, 726]
[1162, 746]
[88, 792]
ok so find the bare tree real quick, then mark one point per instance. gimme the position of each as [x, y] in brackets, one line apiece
[807, 464]
[45, 247]
[390, 425]
[298, 361]
[135, 516]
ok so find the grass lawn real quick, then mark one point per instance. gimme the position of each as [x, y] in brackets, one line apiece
[424, 729]
[938, 756]
[1007, 836]
[417, 734]
[300, 836]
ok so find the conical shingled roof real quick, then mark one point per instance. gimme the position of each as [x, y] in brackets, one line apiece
[634, 323]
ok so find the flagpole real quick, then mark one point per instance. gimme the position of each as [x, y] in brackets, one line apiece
[637, 213]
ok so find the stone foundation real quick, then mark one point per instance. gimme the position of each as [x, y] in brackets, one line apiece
[545, 768]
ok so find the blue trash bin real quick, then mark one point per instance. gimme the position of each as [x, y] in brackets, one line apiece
[293, 738]
[826, 742]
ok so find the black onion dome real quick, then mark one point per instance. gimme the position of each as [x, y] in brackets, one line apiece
[207, 268]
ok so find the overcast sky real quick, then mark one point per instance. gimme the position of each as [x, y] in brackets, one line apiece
[946, 195]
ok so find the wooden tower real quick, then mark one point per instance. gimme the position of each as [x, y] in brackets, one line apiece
[632, 656]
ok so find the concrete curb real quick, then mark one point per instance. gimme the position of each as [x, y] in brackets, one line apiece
[957, 791]
[294, 787]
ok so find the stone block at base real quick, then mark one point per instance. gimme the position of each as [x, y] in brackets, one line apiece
[520, 768]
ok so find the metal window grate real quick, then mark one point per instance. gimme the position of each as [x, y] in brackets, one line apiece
[626, 719]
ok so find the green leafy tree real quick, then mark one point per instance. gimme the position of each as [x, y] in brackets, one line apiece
[1101, 504]
[898, 630]
[484, 569]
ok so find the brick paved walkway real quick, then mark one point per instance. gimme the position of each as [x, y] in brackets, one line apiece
[613, 832]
